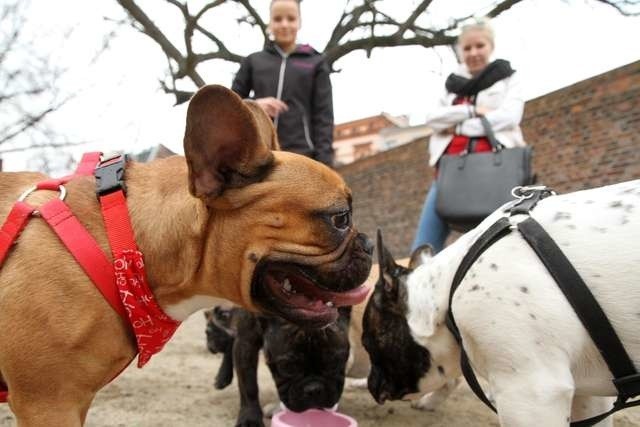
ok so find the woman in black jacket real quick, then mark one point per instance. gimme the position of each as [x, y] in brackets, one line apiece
[291, 83]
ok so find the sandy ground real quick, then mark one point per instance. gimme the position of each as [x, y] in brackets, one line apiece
[175, 390]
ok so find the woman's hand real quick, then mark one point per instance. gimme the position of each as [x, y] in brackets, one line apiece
[272, 106]
[449, 131]
[481, 110]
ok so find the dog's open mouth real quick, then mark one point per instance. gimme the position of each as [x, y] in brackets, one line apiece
[295, 293]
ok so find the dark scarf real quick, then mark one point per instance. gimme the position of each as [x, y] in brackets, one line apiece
[492, 73]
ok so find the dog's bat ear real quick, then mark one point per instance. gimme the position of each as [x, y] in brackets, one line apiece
[421, 255]
[388, 267]
[385, 259]
[227, 142]
[380, 246]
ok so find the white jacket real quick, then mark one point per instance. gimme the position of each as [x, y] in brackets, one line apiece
[504, 99]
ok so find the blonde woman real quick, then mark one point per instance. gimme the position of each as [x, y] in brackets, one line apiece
[480, 87]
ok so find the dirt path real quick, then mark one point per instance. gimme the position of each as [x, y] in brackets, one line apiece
[175, 390]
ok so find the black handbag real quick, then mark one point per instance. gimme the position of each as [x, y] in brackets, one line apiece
[473, 185]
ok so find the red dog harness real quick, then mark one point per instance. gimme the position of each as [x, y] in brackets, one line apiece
[123, 283]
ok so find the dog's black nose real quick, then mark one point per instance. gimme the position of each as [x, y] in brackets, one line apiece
[384, 396]
[367, 244]
[313, 390]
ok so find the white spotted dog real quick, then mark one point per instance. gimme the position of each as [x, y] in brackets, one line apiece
[518, 329]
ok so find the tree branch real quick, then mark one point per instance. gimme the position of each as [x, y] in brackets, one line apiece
[255, 16]
[151, 30]
[343, 28]
[222, 52]
[208, 7]
[362, 26]
[501, 7]
[622, 5]
[411, 20]
[369, 43]
[42, 145]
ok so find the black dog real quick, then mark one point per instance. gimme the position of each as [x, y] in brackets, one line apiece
[307, 365]
[220, 338]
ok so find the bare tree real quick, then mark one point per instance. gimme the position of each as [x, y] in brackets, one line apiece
[28, 87]
[363, 25]
[30, 90]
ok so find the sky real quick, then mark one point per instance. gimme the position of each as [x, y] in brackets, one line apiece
[118, 104]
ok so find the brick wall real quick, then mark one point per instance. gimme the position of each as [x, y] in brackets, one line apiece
[588, 134]
[585, 135]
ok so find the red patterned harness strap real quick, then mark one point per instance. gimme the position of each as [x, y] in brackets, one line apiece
[21, 212]
[123, 283]
[151, 325]
[84, 249]
[15, 222]
[71, 232]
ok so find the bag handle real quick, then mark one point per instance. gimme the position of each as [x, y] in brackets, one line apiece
[471, 146]
[488, 130]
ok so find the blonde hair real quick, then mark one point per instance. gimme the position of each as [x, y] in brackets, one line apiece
[479, 24]
[274, 1]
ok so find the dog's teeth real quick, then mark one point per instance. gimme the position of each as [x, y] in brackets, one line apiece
[286, 285]
[329, 304]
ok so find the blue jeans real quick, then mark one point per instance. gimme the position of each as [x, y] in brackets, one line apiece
[431, 228]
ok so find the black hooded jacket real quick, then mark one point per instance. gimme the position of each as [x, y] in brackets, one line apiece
[300, 80]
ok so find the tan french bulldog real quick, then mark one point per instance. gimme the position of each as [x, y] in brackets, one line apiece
[268, 230]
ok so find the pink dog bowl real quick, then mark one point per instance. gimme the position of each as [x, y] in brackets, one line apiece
[312, 418]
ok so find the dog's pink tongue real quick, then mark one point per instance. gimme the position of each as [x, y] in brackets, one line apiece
[352, 297]
[339, 299]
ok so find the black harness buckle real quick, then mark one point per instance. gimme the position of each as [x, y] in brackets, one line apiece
[628, 386]
[110, 175]
[528, 197]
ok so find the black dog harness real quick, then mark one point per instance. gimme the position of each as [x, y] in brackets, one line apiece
[626, 377]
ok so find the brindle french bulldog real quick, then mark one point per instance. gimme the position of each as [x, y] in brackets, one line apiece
[307, 365]
[398, 363]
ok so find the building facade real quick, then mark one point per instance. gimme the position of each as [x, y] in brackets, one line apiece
[358, 138]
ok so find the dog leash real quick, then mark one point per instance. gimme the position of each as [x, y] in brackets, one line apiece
[626, 378]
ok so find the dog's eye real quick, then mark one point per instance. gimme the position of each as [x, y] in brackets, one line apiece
[221, 314]
[342, 220]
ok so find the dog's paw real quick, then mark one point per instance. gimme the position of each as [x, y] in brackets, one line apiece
[250, 417]
[356, 383]
[222, 380]
[429, 402]
[270, 409]
[426, 403]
